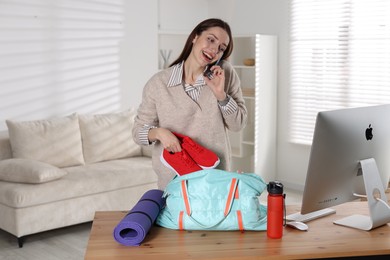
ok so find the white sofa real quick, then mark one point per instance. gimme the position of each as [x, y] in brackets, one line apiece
[58, 172]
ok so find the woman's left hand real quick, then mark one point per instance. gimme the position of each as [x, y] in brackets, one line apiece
[217, 83]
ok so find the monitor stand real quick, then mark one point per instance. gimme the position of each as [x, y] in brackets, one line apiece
[379, 210]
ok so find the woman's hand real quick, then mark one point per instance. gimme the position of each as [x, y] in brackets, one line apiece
[169, 141]
[217, 83]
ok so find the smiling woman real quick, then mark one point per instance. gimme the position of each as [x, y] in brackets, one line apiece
[181, 99]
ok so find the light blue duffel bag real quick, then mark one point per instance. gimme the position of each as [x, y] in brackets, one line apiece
[214, 200]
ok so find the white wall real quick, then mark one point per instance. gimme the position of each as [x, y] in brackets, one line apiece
[138, 50]
[181, 15]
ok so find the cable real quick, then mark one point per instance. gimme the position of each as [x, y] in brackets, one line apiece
[378, 199]
[359, 195]
[383, 202]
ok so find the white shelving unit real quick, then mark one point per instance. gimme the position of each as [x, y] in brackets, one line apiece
[254, 147]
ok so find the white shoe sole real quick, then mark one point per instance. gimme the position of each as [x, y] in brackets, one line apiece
[210, 167]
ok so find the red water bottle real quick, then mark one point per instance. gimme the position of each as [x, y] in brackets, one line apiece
[275, 209]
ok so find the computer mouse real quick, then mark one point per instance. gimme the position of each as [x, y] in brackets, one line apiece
[298, 225]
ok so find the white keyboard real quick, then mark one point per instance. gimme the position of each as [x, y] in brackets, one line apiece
[310, 216]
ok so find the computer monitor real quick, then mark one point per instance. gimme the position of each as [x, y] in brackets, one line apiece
[345, 140]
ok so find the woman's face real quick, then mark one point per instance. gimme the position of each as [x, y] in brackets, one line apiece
[209, 45]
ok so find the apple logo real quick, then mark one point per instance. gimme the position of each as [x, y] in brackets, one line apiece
[369, 134]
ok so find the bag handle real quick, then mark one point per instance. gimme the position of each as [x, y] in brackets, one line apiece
[228, 206]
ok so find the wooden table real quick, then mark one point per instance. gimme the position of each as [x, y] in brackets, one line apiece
[323, 240]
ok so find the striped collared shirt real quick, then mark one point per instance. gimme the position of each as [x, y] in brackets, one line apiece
[177, 79]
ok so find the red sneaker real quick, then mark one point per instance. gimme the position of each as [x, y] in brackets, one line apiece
[180, 162]
[204, 157]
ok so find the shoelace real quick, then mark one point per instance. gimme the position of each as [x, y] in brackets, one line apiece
[187, 159]
[194, 146]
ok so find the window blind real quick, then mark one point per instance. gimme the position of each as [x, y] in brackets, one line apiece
[340, 57]
[58, 57]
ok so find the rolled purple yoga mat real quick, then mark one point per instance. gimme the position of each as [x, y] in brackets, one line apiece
[133, 228]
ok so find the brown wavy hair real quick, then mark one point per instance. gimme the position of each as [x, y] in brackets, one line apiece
[203, 26]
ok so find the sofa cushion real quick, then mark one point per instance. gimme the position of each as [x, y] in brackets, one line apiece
[28, 171]
[56, 141]
[108, 136]
[81, 181]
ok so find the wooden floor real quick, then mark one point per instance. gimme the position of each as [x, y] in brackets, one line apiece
[71, 242]
[59, 244]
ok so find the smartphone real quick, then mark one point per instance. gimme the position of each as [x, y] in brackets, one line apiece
[208, 73]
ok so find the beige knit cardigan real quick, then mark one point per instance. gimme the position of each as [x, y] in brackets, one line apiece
[203, 121]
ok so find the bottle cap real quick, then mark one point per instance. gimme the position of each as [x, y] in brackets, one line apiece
[275, 187]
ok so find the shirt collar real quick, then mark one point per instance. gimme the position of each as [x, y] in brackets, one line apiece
[176, 77]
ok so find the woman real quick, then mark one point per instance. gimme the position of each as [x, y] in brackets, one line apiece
[180, 99]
